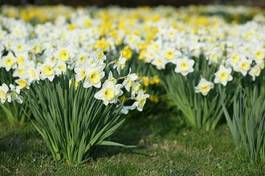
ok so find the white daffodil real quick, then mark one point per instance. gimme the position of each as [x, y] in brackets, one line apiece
[82, 58]
[64, 54]
[213, 57]
[37, 48]
[100, 56]
[243, 66]
[255, 72]
[33, 74]
[126, 109]
[109, 92]
[170, 54]
[92, 62]
[47, 71]
[14, 94]
[3, 93]
[22, 83]
[20, 46]
[234, 59]
[120, 64]
[223, 75]
[21, 58]
[136, 86]
[20, 72]
[140, 100]
[8, 61]
[93, 77]
[80, 73]
[60, 67]
[259, 55]
[204, 87]
[184, 66]
[129, 81]
[159, 63]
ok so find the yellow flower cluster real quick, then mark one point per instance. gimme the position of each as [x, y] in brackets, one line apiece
[37, 14]
[147, 81]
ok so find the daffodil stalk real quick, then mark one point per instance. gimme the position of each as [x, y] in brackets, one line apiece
[202, 60]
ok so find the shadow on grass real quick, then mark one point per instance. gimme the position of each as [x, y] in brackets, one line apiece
[20, 141]
[161, 122]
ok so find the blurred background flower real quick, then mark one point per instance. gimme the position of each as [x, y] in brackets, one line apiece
[132, 3]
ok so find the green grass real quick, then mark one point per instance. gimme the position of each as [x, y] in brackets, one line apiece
[165, 147]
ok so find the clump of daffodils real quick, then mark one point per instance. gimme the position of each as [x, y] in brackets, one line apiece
[67, 74]
[46, 51]
[235, 49]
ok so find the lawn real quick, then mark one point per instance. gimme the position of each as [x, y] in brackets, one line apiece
[164, 147]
